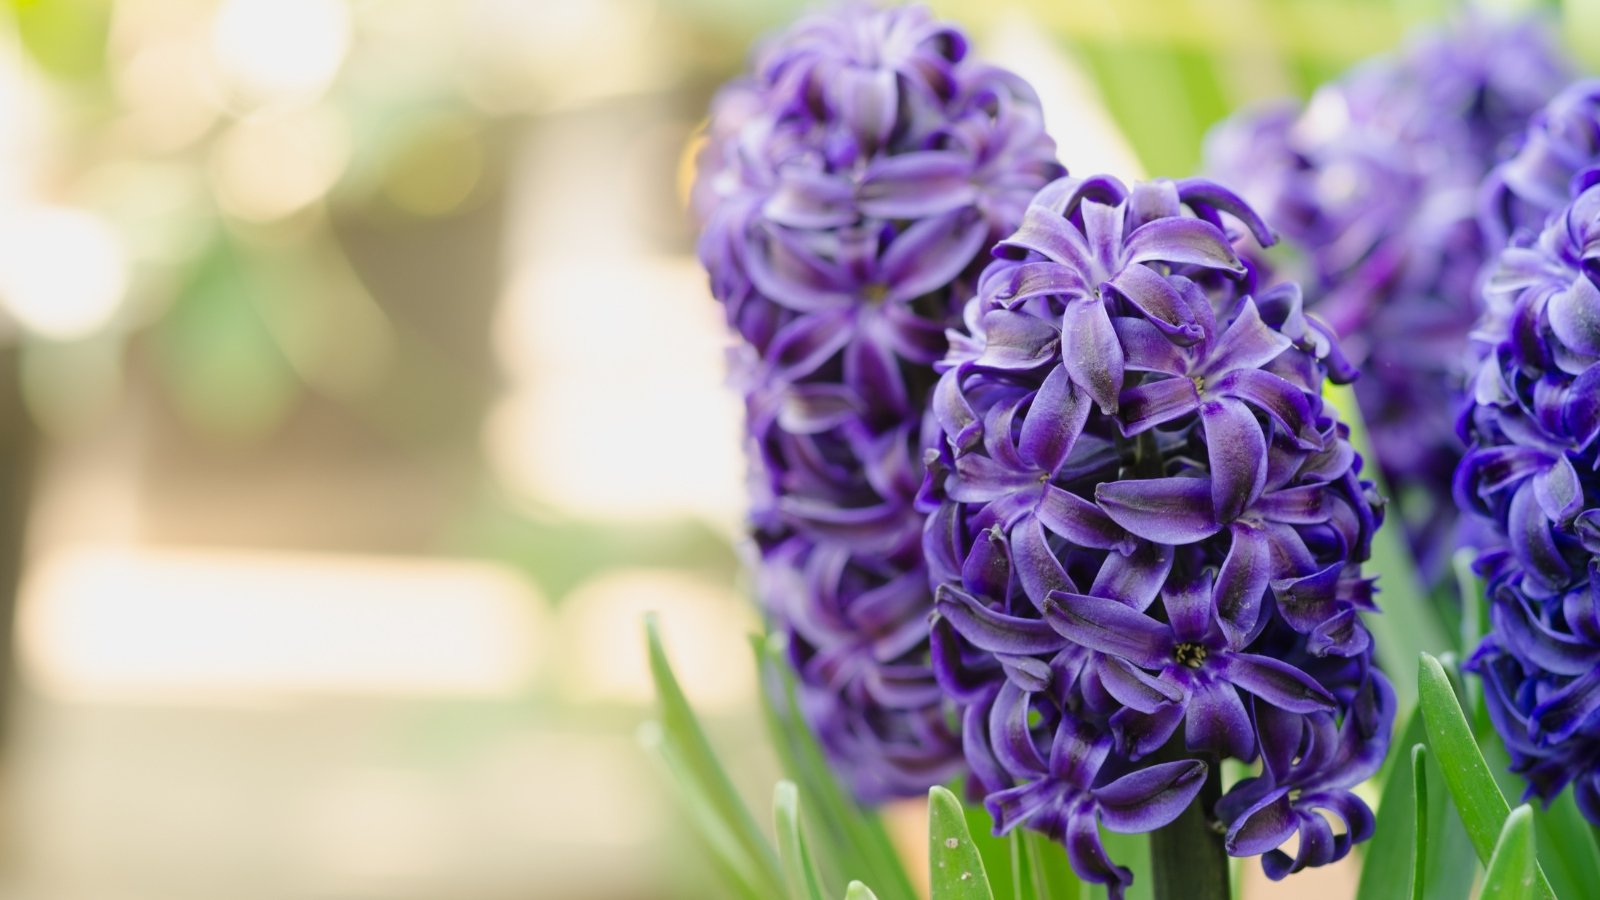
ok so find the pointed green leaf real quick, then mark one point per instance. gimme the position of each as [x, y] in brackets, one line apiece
[1483, 810]
[849, 839]
[859, 891]
[798, 873]
[687, 751]
[996, 852]
[955, 868]
[1513, 873]
[1389, 853]
[1419, 791]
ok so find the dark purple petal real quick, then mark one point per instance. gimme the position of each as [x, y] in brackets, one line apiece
[1079, 521]
[1241, 583]
[1147, 799]
[1135, 688]
[992, 631]
[1164, 510]
[1109, 627]
[1134, 578]
[1216, 722]
[929, 254]
[1238, 454]
[1278, 683]
[1153, 403]
[1248, 343]
[1286, 404]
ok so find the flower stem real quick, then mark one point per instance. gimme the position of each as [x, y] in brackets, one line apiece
[1187, 859]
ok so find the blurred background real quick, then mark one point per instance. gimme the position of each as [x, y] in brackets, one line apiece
[359, 391]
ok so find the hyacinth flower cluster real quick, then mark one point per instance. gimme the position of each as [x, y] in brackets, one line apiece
[850, 189]
[1531, 471]
[1375, 180]
[1146, 530]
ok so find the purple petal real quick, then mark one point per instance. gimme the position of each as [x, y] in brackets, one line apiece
[986, 571]
[1241, 583]
[1017, 341]
[1009, 284]
[1278, 683]
[1049, 234]
[1136, 577]
[1216, 722]
[1078, 520]
[1091, 352]
[1146, 349]
[1037, 567]
[1107, 626]
[1164, 510]
[1135, 688]
[1188, 605]
[1238, 455]
[810, 199]
[1159, 302]
[1182, 241]
[1088, 857]
[1149, 798]
[930, 254]
[1008, 729]
[1263, 827]
[992, 631]
[1560, 715]
[1279, 398]
[1575, 316]
[1249, 343]
[916, 185]
[1055, 419]
[1153, 403]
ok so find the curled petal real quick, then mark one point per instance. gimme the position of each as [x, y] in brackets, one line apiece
[1149, 798]
[1109, 627]
[1278, 683]
[1183, 241]
[916, 185]
[1164, 510]
[993, 631]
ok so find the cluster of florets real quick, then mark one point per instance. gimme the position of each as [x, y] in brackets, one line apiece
[850, 189]
[1376, 180]
[1146, 530]
[1531, 471]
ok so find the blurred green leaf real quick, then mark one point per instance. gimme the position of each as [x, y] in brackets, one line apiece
[1407, 625]
[850, 839]
[955, 868]
[1565, 841]
[706, 786]
[859, 891]
[799, 875]
[218, 358]
[1419, 805]
[1051, 874]
[1478, 801]
[1513, 872]
[1132, 851]
[66, 38]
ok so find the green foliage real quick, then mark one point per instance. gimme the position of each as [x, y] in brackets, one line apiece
[1389, 858]
[740, 850]
[1419, 792]
[955, 868]
[1478, 801]
[799, 875]
[1513, 871]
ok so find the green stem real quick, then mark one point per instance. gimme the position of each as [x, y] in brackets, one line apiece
[1187, 859]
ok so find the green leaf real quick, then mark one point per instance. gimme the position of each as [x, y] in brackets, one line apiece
[859, 891]
[1132, 851]
[1419, 792]
[1566, 847]
[798, 873]
[1051, 874]
[1389, 854]
[1408, 624]
[849, 839]
[1483, 810]
[684, 746]
[955, 868]
[997, 852]
[1513, 872]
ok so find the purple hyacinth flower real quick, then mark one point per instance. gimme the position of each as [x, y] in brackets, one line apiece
[1530, 473]
[1374, 182]
[1146, 530]
[848, 190]
[1561, 146]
